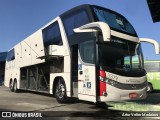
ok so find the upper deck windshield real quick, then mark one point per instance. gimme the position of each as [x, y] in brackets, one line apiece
[121, 57]
[114, 20]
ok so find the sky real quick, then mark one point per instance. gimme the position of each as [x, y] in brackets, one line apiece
[21, 18]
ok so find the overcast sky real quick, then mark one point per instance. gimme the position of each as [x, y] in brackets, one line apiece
[20, 18]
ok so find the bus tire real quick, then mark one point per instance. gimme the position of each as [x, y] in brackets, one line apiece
[60, 91]
[15, 89]
[149, 88]
[11, 85]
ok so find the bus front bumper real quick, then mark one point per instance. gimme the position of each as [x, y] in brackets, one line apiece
[115, 94]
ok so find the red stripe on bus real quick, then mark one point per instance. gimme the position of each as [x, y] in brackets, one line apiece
[86, 94]
[102, 88]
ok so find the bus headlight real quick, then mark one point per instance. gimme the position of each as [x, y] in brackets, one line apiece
[103, 79]
[111, 82]
[105, 94]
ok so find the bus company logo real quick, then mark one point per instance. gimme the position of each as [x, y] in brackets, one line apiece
[6, 114]
[133, 86]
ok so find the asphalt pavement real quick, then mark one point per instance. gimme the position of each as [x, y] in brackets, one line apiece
[30, 104]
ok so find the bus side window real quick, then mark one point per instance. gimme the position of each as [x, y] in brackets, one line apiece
[87, 51]
[11, 55]
[52, 35]
[75, 20]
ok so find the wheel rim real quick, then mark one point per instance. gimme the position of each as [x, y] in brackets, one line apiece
[10, 85]
[148, 88]
[15, 86]
[60, 91]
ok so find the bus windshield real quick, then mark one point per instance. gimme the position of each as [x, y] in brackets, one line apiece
[114, 20]
[121, 57]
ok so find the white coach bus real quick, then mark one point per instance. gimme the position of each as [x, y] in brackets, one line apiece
[89, 52]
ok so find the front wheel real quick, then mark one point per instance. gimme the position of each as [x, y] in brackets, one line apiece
[149, 88]
[60, 92]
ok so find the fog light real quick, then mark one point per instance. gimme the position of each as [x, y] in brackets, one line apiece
[105, 94]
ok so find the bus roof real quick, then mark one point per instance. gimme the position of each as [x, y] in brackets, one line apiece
[85, 7]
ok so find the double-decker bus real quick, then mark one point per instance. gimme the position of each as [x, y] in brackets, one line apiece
[152, 68]
[87, 52]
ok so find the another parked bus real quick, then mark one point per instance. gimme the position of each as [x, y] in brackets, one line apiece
[152, 68]
[88, 53]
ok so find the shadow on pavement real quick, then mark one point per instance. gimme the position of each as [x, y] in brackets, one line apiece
[152, 99]
[102, 113]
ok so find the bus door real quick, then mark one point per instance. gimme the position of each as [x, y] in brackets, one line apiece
[87, 71]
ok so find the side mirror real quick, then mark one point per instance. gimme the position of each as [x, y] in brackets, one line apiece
[155, 43]
[96, 26]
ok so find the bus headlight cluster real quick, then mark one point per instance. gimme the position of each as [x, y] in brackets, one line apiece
[111, 82]
[102, 79]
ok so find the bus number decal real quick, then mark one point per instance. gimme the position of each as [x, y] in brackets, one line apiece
[112, 76]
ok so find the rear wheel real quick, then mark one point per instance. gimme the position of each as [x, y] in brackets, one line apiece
[11, 85]
[60, 91]
[149, 88]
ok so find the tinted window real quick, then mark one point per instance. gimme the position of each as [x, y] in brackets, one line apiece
[11, 55]
[121, 57]
[3, 56]
[87, 53]
[114, 20]
[75, 20]
[120, 53]
[52, 35]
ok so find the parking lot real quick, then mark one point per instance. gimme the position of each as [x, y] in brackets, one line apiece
[35, 102]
